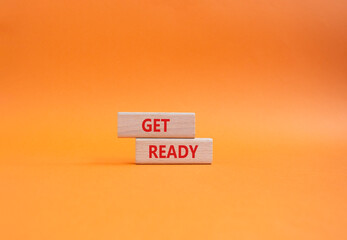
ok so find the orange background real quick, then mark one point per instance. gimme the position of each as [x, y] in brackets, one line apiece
[266, 79]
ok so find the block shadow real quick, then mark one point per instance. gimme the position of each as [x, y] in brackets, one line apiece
[109, 162]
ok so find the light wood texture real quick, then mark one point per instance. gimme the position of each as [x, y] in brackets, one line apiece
[174, 151]
[156, 125]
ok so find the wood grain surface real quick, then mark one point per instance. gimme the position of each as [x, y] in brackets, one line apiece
[174, 151]
[156, 125]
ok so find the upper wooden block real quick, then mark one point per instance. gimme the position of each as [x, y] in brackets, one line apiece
[156, 125]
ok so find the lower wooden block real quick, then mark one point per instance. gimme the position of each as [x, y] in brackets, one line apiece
[174, 151]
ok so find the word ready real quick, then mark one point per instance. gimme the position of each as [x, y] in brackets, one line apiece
[164, 151]
[174, 151]
[156, 125]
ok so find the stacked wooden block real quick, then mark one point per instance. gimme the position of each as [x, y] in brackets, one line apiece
[165, 138]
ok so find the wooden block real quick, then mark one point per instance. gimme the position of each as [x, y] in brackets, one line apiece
[174, 151]
[156, 125]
